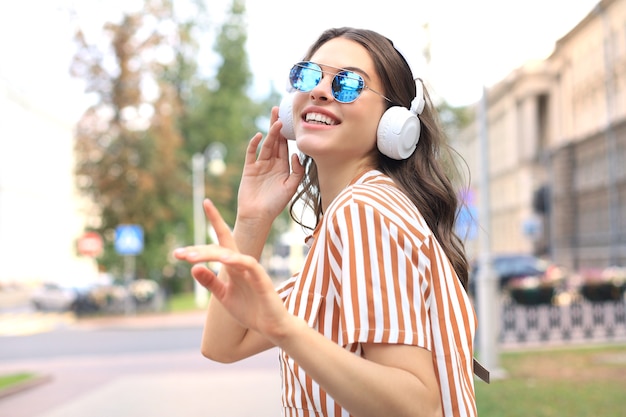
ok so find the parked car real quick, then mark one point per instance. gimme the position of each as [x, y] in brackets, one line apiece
[526, 278]
[53, 296]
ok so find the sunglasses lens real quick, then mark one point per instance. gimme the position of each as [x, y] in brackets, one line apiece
[347, 86]
[304, 76]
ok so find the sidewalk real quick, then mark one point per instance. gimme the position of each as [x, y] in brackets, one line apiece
[134, 321]
[201, 394]
[188, 386]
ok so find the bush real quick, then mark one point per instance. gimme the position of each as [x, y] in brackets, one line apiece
[608, 284]
[533, 296]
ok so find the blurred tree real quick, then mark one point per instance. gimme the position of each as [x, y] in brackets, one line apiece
[151, 112]
[221, 110]
[454, 119]
[128, 143]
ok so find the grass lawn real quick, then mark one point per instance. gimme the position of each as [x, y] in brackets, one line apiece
[14, 379]
[572, 382]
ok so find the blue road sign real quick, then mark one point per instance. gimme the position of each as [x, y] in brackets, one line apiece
[467, 223]
[129, 239]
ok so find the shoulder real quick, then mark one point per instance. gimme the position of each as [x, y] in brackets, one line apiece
[372, 188]
[376, 190]
[375, 195]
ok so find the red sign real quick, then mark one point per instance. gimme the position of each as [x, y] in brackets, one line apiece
[90, 244]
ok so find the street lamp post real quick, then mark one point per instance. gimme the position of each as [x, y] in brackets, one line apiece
[212, 160]
[486, 284]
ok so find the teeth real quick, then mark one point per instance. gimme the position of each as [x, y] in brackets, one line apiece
[316, 117]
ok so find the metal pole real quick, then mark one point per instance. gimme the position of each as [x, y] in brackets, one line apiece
[486, 285]
[199, 221]
[611, 142]
[129, 276]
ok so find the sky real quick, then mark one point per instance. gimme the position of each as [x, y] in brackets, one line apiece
[472, 43]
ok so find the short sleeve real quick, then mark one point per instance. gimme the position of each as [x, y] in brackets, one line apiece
[286, 287]
[383, 285]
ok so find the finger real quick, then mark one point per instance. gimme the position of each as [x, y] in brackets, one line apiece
[268, 148]
[283, 149]
[208, 280]
[274, 115]
[223, 232]
[297, 167]
[246, 266]
[296, 174]
[235, 259]
[253, 145]
[201, 253]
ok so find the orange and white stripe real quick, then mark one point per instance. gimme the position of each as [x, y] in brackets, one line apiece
[376, 274]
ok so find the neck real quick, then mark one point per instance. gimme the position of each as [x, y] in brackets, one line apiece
[332, 180]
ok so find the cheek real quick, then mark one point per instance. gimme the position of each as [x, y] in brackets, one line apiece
[297, 104]
[367, 125]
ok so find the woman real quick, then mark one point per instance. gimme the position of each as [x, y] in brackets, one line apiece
[377, 322]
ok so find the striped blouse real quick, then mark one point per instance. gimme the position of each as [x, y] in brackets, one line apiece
[376, 274]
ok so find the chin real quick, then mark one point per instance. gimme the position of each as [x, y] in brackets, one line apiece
[308, 140]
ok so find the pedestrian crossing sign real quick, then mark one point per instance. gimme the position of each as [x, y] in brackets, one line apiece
[129, 239]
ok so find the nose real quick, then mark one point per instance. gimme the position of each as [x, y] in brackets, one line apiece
[323, 90]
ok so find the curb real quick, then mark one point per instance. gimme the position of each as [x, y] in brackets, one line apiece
[25, 385]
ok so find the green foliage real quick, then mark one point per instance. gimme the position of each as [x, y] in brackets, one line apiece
[222, 111]
[151, 112]
[127, 144]
[454, 119]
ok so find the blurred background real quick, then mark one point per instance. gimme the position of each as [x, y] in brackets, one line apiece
[118, 118]
[106, 107]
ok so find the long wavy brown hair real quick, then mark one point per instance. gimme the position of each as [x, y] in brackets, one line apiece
[426, 177]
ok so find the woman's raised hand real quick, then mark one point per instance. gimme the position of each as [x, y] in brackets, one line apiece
[248, 294]
[268, 180]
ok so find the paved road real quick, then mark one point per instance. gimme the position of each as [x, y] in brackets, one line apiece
[156, 384]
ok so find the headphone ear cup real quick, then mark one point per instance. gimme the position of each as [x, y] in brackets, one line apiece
[285, 114]
[398, 133]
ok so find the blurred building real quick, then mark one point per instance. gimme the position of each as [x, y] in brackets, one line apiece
[556, 132]
[40, 212]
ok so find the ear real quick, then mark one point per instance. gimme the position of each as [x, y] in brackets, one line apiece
[285, 114]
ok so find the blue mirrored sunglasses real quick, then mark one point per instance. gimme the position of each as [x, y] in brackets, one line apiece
[346, 85]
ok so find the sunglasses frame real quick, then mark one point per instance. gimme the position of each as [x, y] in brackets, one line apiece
[341, 73]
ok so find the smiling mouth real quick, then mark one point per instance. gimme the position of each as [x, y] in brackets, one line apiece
[317, 118]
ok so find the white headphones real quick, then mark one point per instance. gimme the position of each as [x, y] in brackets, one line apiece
[398, 129]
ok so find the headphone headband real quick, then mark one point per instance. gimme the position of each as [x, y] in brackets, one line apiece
[419, 102]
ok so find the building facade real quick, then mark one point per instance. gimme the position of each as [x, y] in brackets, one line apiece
[555, 158]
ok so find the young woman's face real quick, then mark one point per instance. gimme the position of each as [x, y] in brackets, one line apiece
[328, 130]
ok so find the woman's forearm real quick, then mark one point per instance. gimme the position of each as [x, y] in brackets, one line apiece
[377, 387]
[223, 338]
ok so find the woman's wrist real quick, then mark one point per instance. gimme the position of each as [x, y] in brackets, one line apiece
[250, 235]
[289, 330]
